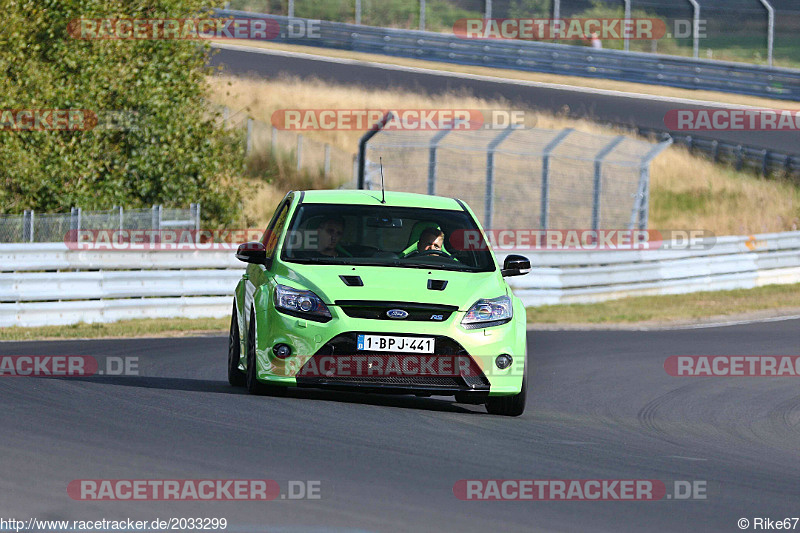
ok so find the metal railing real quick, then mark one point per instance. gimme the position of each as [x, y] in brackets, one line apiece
[51, 284]
[654, 69]
[31, 226]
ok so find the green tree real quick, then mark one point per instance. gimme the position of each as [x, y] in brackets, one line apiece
[175, 155]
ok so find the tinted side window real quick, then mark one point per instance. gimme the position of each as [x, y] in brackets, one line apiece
[270, 238]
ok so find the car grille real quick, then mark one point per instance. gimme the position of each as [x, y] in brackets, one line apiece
[377, 310]
[344, 345]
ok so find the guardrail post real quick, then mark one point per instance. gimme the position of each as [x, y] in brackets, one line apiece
[327, 162]
[249, 142]
[358, 11]
[299, 151]
[545, 196]
[489, 199]
[121, 214]
[764, 159]
[598, 178]
[487, 12]
[739, 157]
[422, 15]
[291, 8]
[434, 143]
[27, 226]
[715, 150]
[770, 30]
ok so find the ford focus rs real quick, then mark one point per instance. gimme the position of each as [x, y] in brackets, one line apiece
[386, 293]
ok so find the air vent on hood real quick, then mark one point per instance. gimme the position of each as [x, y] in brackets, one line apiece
[437, 284]
[352, 281]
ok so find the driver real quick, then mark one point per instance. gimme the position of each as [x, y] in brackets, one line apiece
[329, 234]
[431, 239]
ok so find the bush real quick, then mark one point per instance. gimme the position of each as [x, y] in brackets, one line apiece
[177, 154]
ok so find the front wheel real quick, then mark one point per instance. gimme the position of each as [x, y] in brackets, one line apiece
[235, 376]
[508, 405]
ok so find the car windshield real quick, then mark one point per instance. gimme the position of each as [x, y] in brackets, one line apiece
[386, 236]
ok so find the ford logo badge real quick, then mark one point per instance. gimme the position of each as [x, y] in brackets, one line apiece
[396, 313]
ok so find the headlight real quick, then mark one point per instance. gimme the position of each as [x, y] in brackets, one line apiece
[485, 313]
[303, 304]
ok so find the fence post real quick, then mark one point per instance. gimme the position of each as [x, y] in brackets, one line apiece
[625, 26]
[291, 8]
[598, 178]
[327, 163]
[299, 151]
[249, 136]
[770, 30]
[75, 220]
[194, 210]
[358, 11]
[422, 15]
[643, 198]
[489, 200]
[545, 196]
[695, 29]
[434, 143]
[487, 12]
[155, 218]
[27, 226]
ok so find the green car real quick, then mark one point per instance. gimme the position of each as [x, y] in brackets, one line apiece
[379, 292]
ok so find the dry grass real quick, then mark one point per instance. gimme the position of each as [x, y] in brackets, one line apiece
[687, 191]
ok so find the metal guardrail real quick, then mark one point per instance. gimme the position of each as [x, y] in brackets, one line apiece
[742, 157]
[736, 262]
[654, 69]
[192, 284]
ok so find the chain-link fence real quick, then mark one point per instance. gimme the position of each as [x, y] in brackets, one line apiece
[303, 152]
[735, 30]
[522, 178]
[31, 226]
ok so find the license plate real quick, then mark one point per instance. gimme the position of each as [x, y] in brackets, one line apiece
[387, 343]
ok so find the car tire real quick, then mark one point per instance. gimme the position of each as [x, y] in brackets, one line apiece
[235, 376]
[508, 405]
[253, 385]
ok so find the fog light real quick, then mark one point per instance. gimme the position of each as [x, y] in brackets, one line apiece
[282, 350]
[503, 361]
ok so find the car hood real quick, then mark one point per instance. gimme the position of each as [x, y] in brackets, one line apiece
[394, 284]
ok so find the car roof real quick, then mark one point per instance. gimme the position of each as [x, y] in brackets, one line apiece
[394, 199]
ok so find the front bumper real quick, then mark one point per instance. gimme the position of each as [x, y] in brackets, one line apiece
[309, 339]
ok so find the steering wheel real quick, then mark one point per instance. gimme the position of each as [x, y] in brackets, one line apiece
[429, 252]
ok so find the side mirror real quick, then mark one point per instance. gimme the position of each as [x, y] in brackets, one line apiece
[516, 265]
[252, 252]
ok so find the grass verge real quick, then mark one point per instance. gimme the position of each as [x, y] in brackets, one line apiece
[161, 327]
[677, 308]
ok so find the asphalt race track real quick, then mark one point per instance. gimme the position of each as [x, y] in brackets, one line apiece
[618, 108]
[601, 407]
